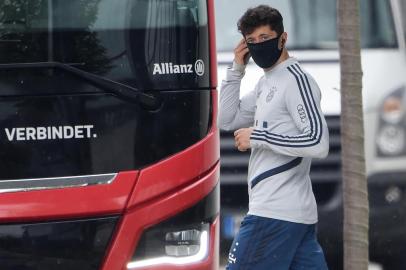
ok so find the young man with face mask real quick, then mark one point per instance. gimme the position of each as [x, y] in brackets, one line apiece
[280, 120]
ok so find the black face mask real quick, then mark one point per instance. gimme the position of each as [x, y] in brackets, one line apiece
[265, 54]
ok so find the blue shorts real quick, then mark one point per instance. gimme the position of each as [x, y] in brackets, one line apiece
[271, 244]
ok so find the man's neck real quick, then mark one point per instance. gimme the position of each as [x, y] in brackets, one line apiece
[284, 57]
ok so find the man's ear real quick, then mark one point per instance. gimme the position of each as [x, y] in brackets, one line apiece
[284, 38]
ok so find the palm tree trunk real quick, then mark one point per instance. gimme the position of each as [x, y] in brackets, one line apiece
[355, 192]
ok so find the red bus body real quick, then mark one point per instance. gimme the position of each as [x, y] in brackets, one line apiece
[139, 198]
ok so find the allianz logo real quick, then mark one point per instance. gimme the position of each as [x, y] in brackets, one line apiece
[170, 68]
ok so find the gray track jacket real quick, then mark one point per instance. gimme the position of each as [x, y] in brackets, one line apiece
[289, 130]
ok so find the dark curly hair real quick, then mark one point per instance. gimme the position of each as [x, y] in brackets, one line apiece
[259, 16]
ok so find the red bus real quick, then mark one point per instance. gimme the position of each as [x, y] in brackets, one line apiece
[109, 146]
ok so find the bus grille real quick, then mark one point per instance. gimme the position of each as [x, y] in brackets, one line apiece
[57, 245]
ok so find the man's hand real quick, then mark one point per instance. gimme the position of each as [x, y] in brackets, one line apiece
[242, 138]
[241, 53]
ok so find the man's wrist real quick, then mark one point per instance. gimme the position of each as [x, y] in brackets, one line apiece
[238, 67]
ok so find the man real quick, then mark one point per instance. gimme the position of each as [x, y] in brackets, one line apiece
[280, 120]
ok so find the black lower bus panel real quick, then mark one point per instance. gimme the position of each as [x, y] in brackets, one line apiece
[62, 245]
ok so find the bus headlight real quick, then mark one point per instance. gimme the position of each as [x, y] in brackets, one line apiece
[392, 125]
[185, 243]
[178, 247]
[180, 240]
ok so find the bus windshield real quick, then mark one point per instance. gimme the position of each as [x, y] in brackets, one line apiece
[310, 24]
[77, 78]
[121, 40]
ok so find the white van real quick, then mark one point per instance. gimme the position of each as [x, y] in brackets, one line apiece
[312, 39]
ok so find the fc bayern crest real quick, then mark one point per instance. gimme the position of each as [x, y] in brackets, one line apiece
[271, 93]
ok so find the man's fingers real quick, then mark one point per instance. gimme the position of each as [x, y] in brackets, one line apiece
[240, 137]
[241, 46]
[240, 145]
[237, 143]
[238, 134]
[241, 50]
[242, 149]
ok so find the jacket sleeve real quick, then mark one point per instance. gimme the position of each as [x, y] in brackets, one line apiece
[302, 98]
[235, 113]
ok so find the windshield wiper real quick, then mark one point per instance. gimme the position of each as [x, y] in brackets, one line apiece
[122, 90]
